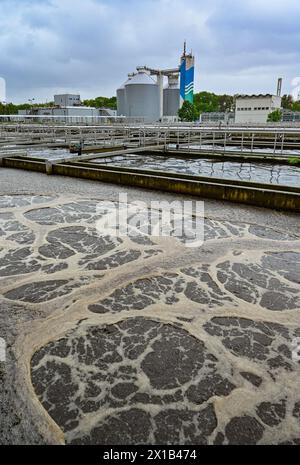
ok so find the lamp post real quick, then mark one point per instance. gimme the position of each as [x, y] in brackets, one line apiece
[31, 100]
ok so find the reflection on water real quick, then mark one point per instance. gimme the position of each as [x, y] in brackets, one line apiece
[246, 171]
[49, 154]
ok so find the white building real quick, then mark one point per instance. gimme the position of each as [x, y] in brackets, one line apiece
[77, 114]
[67, 100]
[255, 108]
[72, 114]
[67, 108]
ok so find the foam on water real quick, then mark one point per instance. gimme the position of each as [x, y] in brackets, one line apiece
[136, 340]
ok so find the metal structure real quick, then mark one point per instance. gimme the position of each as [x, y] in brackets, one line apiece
[217, 117]
[279, 87]
[291, 116]
[121, 107]
[261, 143]
[172, 75]
[187, 71]
[135, 103]
[142, 97]
[171, 97]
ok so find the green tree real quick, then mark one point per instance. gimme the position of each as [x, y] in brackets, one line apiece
[287, 102]
[226, 103]
[188, 112]
[12, 109]
[296, 106]
[275, 116]
[99, 102]
[208, 102]
[8, 109]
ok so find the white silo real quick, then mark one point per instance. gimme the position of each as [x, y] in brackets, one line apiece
[142, 97]
[172, 96]
[121, 101]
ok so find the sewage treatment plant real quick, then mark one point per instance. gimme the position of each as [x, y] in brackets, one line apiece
[136, 338]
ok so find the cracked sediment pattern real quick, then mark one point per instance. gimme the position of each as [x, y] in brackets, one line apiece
[132, 340]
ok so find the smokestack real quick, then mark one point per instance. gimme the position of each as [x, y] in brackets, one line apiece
[279, 87]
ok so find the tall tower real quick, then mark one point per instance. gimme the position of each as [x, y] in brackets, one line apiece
[187, 72]
[279, 87]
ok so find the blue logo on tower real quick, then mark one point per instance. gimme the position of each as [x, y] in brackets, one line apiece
[187, 72]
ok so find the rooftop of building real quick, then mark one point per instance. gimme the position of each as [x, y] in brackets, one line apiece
[245, 96]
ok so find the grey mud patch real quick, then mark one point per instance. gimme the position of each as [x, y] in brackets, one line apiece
[135, 340]
[140, 371]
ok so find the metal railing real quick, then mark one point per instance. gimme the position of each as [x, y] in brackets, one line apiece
[264, 141]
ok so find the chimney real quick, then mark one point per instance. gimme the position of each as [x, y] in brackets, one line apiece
[279, 87]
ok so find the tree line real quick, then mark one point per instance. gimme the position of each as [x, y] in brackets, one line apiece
[204, 102]
[98, 102]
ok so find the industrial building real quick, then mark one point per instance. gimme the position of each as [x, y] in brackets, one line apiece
[144, 94]
[67, 100]
[256, 108]
[65, 106]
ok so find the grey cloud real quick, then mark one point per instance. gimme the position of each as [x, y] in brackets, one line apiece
[90, 46]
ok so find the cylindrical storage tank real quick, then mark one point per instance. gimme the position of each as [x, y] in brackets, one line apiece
[142, 97]
[171, 101]
[121, 103]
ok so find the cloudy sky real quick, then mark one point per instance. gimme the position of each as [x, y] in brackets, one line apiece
[89, 46]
